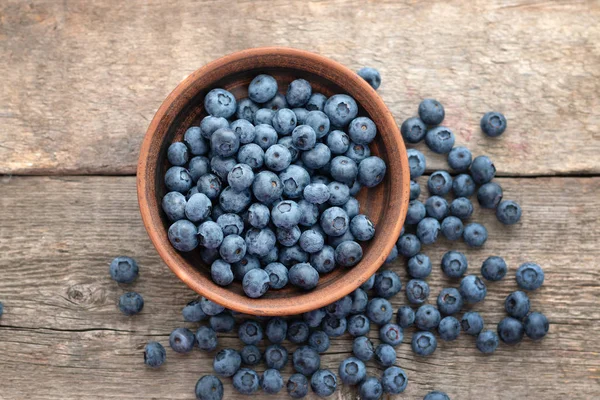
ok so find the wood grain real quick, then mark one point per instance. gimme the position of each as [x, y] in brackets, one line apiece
[81, 80]
[62, 337]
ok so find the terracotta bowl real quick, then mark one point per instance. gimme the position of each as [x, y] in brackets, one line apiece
[385, 204]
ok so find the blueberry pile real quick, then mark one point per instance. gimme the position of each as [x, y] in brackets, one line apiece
[299, 245]
[265, 185]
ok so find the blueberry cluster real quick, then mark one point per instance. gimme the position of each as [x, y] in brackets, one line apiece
[265, 185]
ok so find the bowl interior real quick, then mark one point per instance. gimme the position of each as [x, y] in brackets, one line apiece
[384, 204]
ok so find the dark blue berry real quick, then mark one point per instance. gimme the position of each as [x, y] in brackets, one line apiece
[362, 228]
[348, 253]
[245, 265]
[319, 122]
[472, 323]
[362, 130]
[352, 371]
[124, 269]
[246, 109]
[454, 264]
[437, 207]
[459, 159]
[487, 342]
[224, 142]
[131, 303]
[244, 130]
[370, 389]
[394, 380]
[482, 170]
[423, 343]
[385, 355]
[233, 201]
[530, 276]
[341, 109]
[298, 93]
[286, 214]
[319, 341]
[252, 155]
[284, 121]
[387, 284]
[461, 207]
[463, 185]
[221, 167]
[415, 190]
[428, 230]
[304, 276]
[210, 124]
[198, 207]
[408, 245]
[449, 329]
[510, 330]
[264, 136]
[379, 311]
[306, 360]
[472, 289]
[371, 171]
[416, 163]
[197, 167]
[449, 301]
[177, 154]
[413, 130]
[316, 193]
[358, 325]
[276, 103]
[493, 124]
[316, 102]
[288, 237]
[417, 291]
[338, 142]
[439, 183]
[256, 283]
[436, 395]
[210, 235]
[246, 381]
[220, 103]
[368, 284]
[517, 304]
[262, 88]
[358, 152]
[230, 224]
[271, 381]
[223, 322]
[173, 204]
[405, 317]
[192, 312]
[314, 318]
[195, 141]
[419, 266]
[431, 112]
[209, 387]
[508, 212]
[206, 338]
[182, 340]
[154, 354]
[440, 140]
[227, 362]
[323, 260]
[276, 356]
[489, 195]
[334, 326]
[371, 75]
[183, 235]
[359, 301]
[475, 235]
[494, 268]
[340, 308]
[209, 185]
[294, 180]
[297, 332]
[427, 317]
[178, 179]
[316, 157]
[536, 325]
[362, 348]
[391, 334]
[452, 228]
[297, 386]
[210, 307]
[290, 256]
[416, 212]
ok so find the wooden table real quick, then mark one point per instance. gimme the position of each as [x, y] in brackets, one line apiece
[80, 82]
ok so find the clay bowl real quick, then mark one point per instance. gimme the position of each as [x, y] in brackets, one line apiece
[386, 204]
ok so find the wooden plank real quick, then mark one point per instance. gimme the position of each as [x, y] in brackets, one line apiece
[81, 81]
[62, 337]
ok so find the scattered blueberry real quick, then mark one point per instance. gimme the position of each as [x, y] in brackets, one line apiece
[417, 291]
[419, 266]
[405, 317]
[536, 325]
[124, 269]
[182, 340]
[394, 380]
[206, 338]
[449, 301]
[246, 381]
[131, 303]
[371, 75]
[487, 342]
[297, 386]
[323, 383]
[508, 212]
[423, 343]
[510, 330]
[440, 140]
[517, 304]
[427, 318]
[271, 381]
[475, 235]
[493, 124]
[209, 387]
[471, 323]
[482, 170]
[530, 276]
[154, 354]
[352, 371]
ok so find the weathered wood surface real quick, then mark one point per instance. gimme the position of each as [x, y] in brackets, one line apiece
[62, 337]
[81, 80]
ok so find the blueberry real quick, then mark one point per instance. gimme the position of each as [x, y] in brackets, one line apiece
[252, 155]
[334, 221]
[276, 330]
[246, 381]
[482, 170]
[298, 93]
[245, 265]
[338, 142]
[276, 103]
[489, 195]
[260, 241]
[379, 311]
[271, 257]
[250, 332]
[517, 304]
[405, 317]
[192, 312]
[487, 342]
[210, 308]
[436, 395]
[286, 214]
[493, 124]
[461, 207]
[385, 355]
[530, 276]
[284, 121]
[246, 109]
[210, 124]
[408, 245]
[508, 212]
[471, 323]
[391, 334]
[220, 103]
[262, 88]
[294, 180]
[209, 387]
[265, 136]
[224, 142]
[358, 152]
[371, 171]
[371, 75]
[452, 228]
[416, 163]
[427, 317]
[472, 289]
[416, 212]
[348, 253]
[177, 154]
[392, 256]
[449, 301]
[304, 137]
[510, 330]
[440, 140]
[256, 283]
[370, 389]
[234, 201]
[292, 255]
[306, 360]
[369, 283]
[419, 266]
[297, 386]
[244, 130]
[311, 241]
[271, 381]
[319, 341]
[154, 354]
[394, 380]
[198, 207]
[319, 122]
[209, 185]
[413, 130]
[195, 141]
[352, 371]
[428, 230]
[198, 166]
[459, 159]
[341, 109]
[536, 325]
[339, 193]
[173, 204]
[316, 102]
[362, 348]
[437, 207]
[463, 185]
[233, 248]
[276, 356]
[475, 235]
[334, 326]
[288, 237]
[267, 187]
[259, 215]
[182, 235]
[230, 224]
[240, 177]
[316, 157]
[316, 193]
[454, 264]
[431, 112]
[323, 260]
[449, 329]
[182, 340]
[301, 114]
[423, 343]
[209, 256]
[178, 179]
[359, 301]
[417, 291]
[358, 325]
[344, 170]
[123, 269]
[304, 276]
[314, 318]
[222, 322]
[494, 268]
[221, 167]
[387, 284]
[362, 228]
[362, 130]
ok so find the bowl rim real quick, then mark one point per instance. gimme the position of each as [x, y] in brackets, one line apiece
[202, 285]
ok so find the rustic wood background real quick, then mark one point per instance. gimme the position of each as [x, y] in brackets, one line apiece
[81, 80]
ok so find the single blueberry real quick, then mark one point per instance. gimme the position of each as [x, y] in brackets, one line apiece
[379, 311]
[371, 75]
[461, 208]
[123, 269]
[276, 356]
[449, 329]
[463, 185]
[471, 323]
[198, 207]
[271, 381]
[358, 152]
[530, 276]
[209, 387]
[408, 245]
[246, 381]
[493, 124]
[297, 386]
[154, 354]
[417, 291]
[387, 284]
[440, 140]
[284, 121]
[316, 102]
[482, 170]
[370, 389]
[222, 322]
[489, 195]
[472, 289]
[416, 163]
[362, 348]
[304, 137]
[183, 235]
[306, 360]
[437, 207]
[210, 308]
[439, 183]
[267, 187]
[371, 171]
[394, 380]
[294, 180]
[246, 109]
[459, 159]
[427, 317]
[385, 355]
[452, 228]
[494, 268]
[428, 230]
[431, 111]
[220, 103]
[192, 312]
[298, 93]
[510, 330]
[423, 343]
[338, 142]
[265, 136]
[341, 109]
[256, 283]
[358, 325]
[517, 304]
[475, 235]
[391, 334]
[508, 212]
[209, 185]
[210, 124]
[182, 340]
[413, 130]
[487, 342]
[233, 248]
[454, 264]
[194, 140]
[416, 212]
[262, 88]
[304, 276]
[178, 179]
[536, 325]
[352, 371]
[319, 122]
[405, 317]
[276, 103]
[319, 341]
[449, 301]
[260, 241]
[177, 154]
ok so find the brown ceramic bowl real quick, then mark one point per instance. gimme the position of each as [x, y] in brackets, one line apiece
[385, 204]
